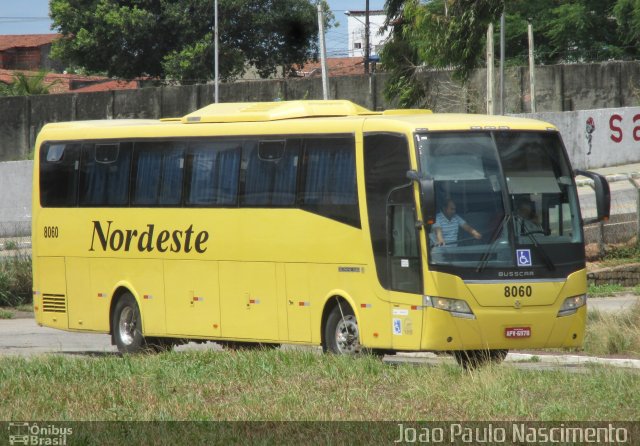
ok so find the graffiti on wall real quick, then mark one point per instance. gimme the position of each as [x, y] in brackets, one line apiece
[598, 138]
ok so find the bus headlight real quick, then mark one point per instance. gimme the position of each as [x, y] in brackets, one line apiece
[571, 305]
[457, 307]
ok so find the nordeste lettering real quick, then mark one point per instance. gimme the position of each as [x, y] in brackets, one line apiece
[148, 240]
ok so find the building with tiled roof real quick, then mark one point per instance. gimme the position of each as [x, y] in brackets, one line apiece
[73, 83]
[336, 66]
[28, 52]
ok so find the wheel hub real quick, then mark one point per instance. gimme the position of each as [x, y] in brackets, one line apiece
[347, 335]
[127, 326]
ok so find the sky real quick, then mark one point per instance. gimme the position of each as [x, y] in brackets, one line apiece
[32, 17]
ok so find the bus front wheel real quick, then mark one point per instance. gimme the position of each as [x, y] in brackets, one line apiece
[341, 334]
[127, 325]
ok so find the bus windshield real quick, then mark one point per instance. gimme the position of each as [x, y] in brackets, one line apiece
[505, 199]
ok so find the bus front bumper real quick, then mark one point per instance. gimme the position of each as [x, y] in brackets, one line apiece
[503, 328]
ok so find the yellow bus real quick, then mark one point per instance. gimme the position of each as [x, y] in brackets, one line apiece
[311, 222]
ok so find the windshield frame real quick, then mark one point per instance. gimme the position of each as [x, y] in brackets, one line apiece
[545, 251]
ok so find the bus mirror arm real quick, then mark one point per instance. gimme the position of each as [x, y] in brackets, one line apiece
[427, 195]
[603, 194]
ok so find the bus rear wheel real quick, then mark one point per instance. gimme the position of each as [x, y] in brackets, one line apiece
[127, 325]
[341, 334]
[472, 359]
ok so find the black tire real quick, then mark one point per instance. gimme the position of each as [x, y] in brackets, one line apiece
[472, 359]
[341, 334]
[127, 325]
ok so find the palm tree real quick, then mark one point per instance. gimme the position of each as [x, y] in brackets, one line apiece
[27, 84]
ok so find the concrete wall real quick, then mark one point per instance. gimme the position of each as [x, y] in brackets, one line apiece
[615, 138]
[559, 88]
[15, 199]
[598, 138]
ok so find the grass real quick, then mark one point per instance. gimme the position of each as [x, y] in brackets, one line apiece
[6, 314]
[607, 289]
[27, 308]
[613, 333]
[620, 255]
[10, 245]
[15, 280]
[302, 385]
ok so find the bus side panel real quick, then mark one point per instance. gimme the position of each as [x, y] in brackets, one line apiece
[87, 310]
[192, 297]
[298, 302]
[353, 282]
[52, 290]
[405, 324]
[142, 277]
[248, 300]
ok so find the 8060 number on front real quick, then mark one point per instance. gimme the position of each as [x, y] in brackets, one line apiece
[518, 291]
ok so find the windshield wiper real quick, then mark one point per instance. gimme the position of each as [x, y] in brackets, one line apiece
[494, 238]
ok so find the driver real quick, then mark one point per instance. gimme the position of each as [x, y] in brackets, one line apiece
[447, 225]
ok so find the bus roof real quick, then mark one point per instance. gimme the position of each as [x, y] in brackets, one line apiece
[409, 119]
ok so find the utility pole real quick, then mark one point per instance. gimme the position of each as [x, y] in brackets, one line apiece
[490, 71]
[367, 52]
[532, 72]
[323, 54]
[502, 63]
[215, 49]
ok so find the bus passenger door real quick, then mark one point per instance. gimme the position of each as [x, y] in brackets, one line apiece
[394, 237]
[192, 297]
[405, 275]
[248, 300]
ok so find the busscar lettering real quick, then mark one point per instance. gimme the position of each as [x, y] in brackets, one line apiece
[110, 239]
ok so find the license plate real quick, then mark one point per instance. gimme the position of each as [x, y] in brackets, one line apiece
[517, 332]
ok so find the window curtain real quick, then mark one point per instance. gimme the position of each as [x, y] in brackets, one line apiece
[330, 174]
[105, 183]
[214, 174]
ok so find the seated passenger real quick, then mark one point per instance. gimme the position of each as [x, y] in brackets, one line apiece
[527, 219]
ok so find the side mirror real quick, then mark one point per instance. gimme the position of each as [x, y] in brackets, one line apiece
[603, 194]
[427, 196]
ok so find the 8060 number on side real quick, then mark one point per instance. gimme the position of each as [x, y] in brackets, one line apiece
[50, 232]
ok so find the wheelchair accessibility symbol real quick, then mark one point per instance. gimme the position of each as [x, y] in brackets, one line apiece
[524, 257]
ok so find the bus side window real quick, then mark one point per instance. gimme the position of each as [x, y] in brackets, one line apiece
[104, 174]
[158, 173]
[329, 184]
[270, 169]
[214, 168]
[59, 175]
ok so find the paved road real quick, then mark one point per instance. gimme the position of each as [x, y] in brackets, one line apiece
[613, 304]
[23, 337]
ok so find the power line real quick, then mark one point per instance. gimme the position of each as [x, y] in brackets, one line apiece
[22, 19]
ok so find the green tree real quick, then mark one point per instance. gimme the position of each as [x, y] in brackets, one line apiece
[27, 84]
[627, 14]
[174, 38]
[438, 34]
[451, 33]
